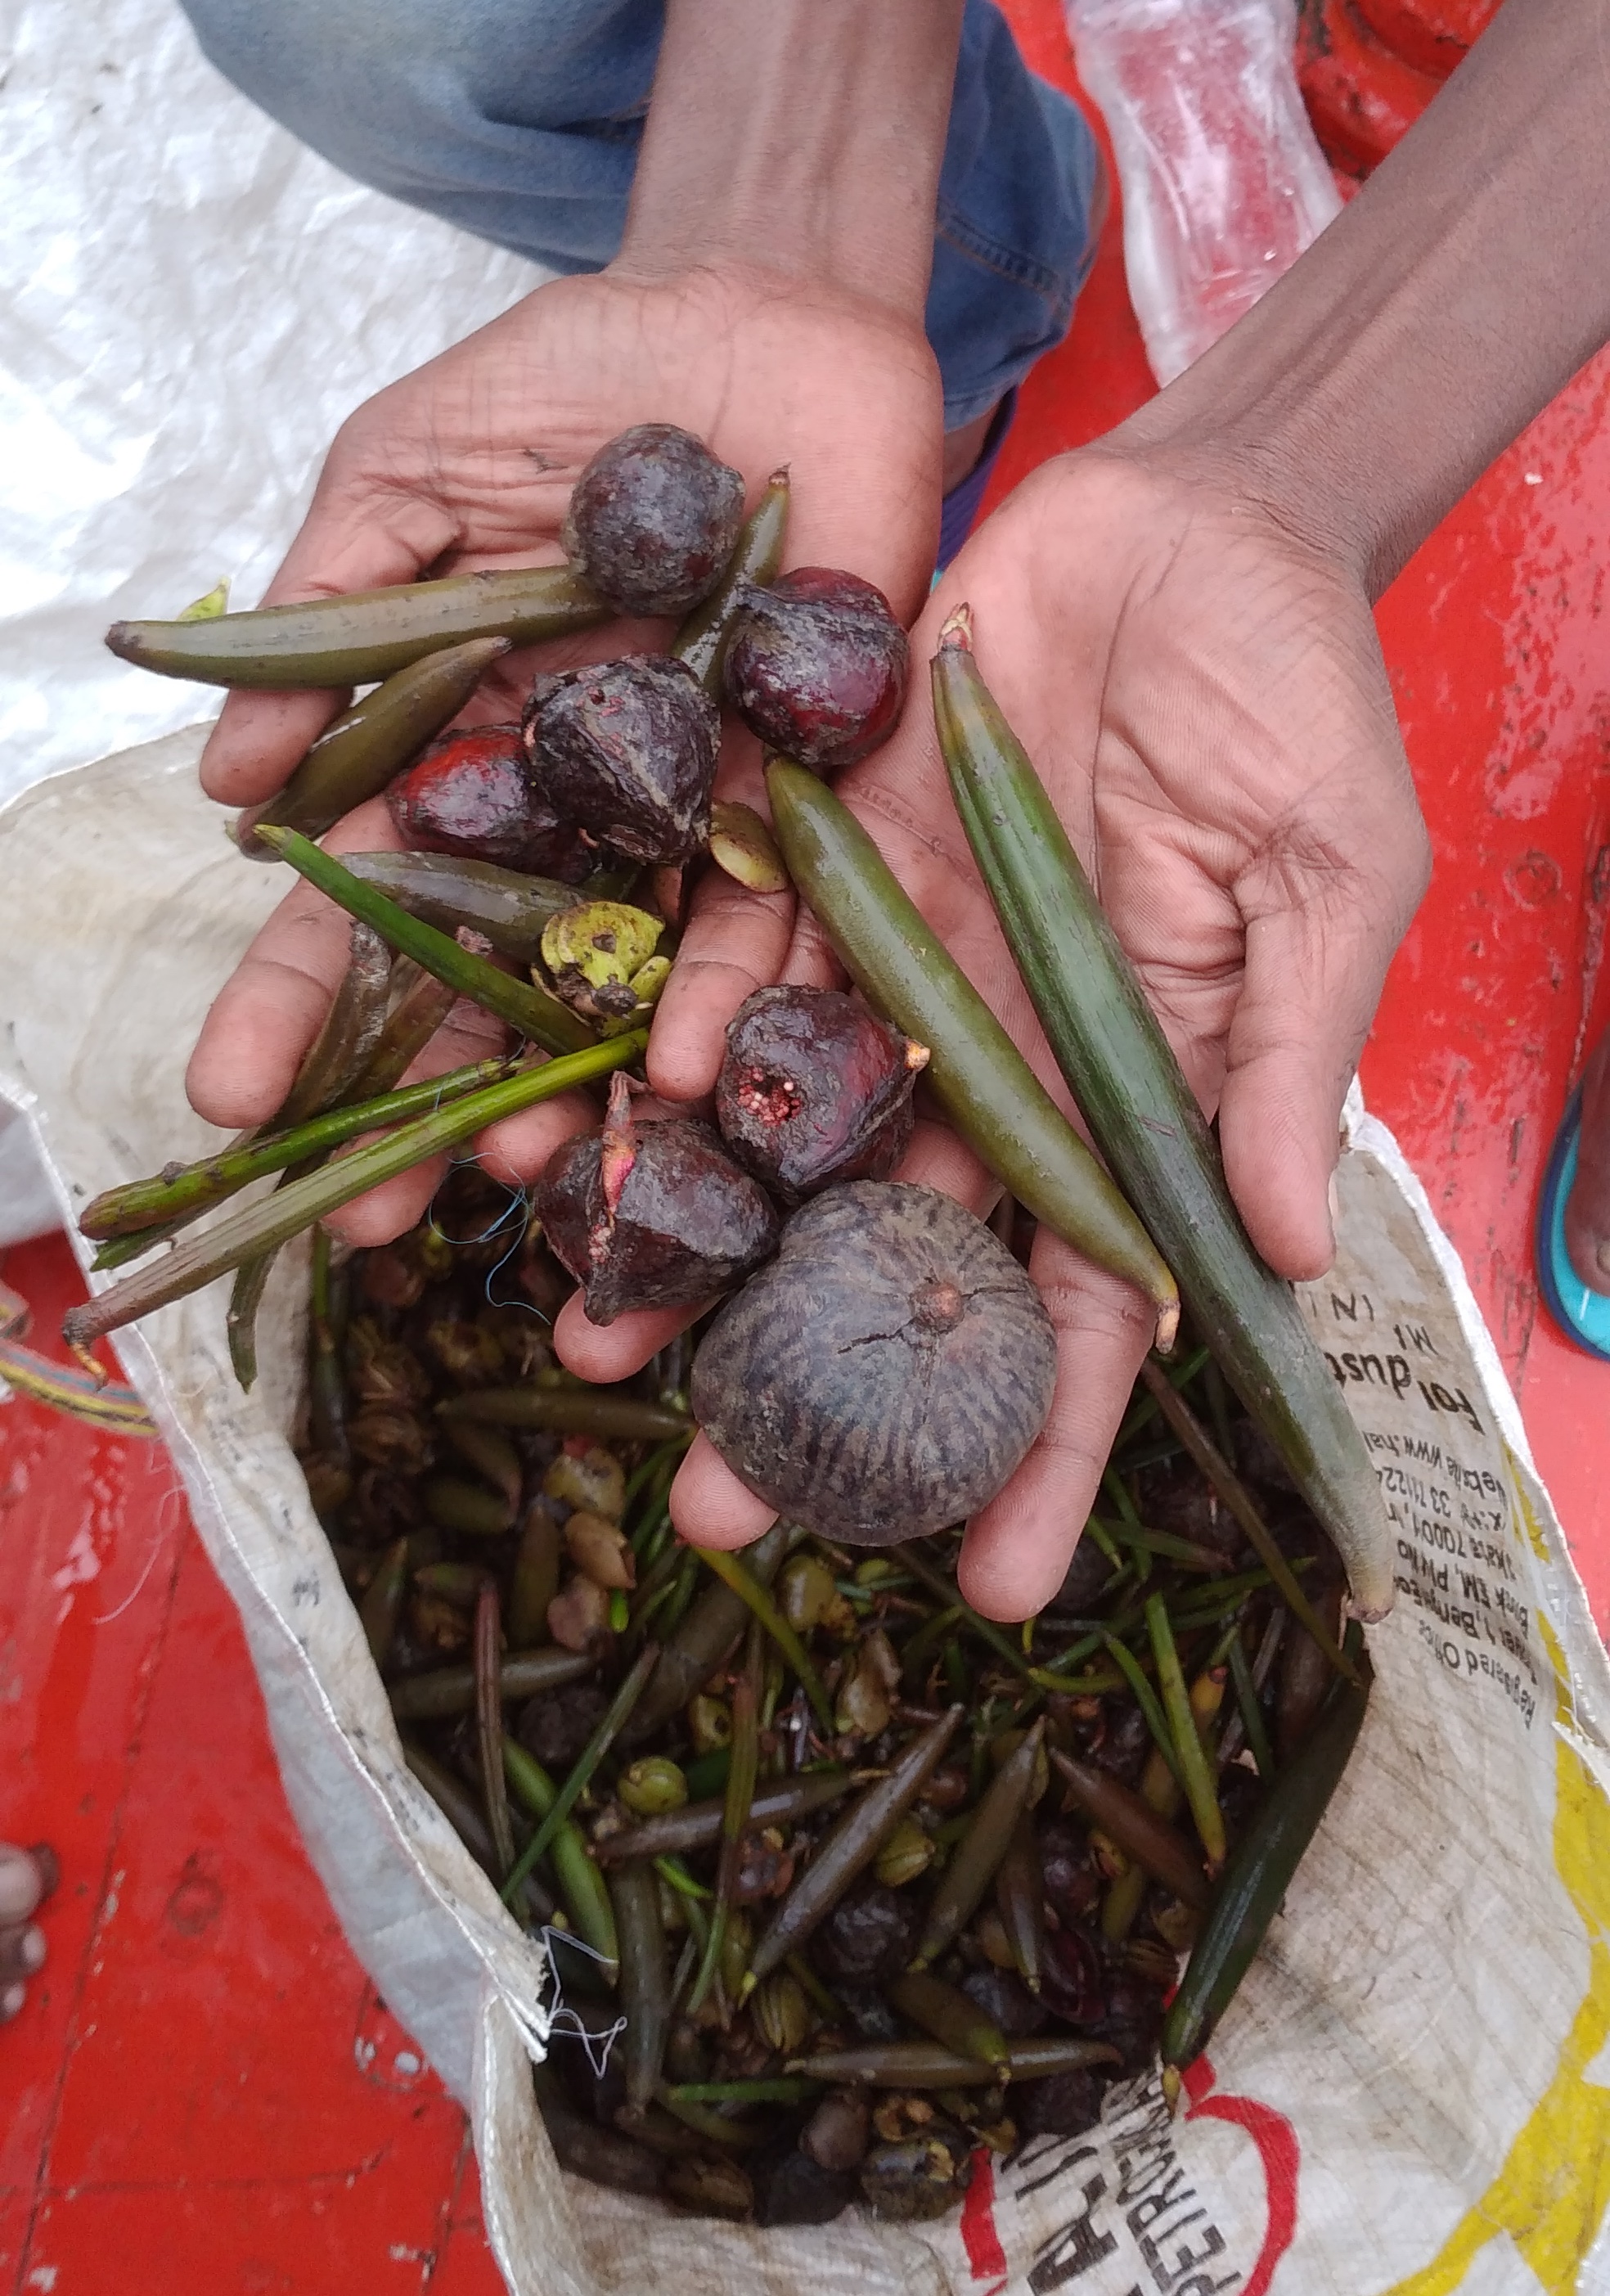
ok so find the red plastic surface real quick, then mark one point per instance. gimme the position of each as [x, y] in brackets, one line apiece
[204, 2090]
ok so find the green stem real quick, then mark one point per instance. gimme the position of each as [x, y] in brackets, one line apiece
[737, 1575]
[142, 1203]
[592, 1754]
[259, 1226]
[1192, 1767]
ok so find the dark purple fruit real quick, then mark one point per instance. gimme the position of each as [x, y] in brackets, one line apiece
[886, 1374]
[813, 1089]
[791, 2188]
[1062, 2104]
[1071, 1982]
[817, 667]
[870, 1936]
[650, 1215]
[1070, 1882]
[471, 794]
[627, 749]
[558, 1724]
[1005, 2001]
[653, 519]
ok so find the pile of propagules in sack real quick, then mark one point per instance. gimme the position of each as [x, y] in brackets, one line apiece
[840, 1880]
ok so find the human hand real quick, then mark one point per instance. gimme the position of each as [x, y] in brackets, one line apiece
[1205, 699]
[470, 462]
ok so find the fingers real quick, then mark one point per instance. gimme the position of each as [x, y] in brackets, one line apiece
[357, 535]
[1018, 1548]
[710, 1507]
[1587, 1219]
[605, 1352]
[1322, 928]
[272, 1007]
[734, 944]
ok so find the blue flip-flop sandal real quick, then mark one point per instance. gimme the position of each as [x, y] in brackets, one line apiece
[1582, 1314]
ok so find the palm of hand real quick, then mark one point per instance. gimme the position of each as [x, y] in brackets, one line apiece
[1206, 704]
[470, 461]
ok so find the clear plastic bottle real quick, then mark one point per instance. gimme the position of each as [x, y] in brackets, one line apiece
[1223, 183]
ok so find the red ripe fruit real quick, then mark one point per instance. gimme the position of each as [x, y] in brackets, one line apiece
[814, 1088]
[628, 748]
[817, 666]
[653, 519]
[651, 1215]
[471, 794]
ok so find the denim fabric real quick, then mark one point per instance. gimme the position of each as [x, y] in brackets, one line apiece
[520, 120]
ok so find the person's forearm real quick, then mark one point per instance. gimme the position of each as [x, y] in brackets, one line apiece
[804, 136]
[1465, 285]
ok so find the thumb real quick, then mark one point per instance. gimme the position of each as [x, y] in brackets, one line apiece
[1321, 929]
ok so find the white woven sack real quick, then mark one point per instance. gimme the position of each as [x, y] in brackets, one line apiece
[1411, 2094]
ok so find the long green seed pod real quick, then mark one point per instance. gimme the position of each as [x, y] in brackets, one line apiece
[581, 1885]
[851, 1847]
[1260, 1870]
[696, 1825]
[571, 1411]
[536, 1014]
[645, 1996]
[592, 1754]
[1145, 1118]
[354, 758]
[981, 1079]
[948, 2017]
[980, 1851]
[701, 641]
[1138, 1828]
[446, 890]
[449, 1690]
[923, 2064]
[364, 634]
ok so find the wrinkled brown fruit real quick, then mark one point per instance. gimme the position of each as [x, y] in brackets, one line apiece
[814, 1089]
[627, 749]
[653, 519]
[886, 1374]
[652, 1215]
[471, 794]
[817, 667]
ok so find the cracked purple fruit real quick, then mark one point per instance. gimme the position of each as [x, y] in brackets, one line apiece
[652, 1215]
[813, 1089]
[886, 1374]
[627, 749]
[817, 667]
[471, 794]
[653, 519]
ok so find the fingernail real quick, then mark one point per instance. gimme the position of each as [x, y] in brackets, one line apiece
[11, 2001]
[1332, 1196]
[34, 1950]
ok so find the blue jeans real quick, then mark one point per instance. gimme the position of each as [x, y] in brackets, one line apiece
[519, 120]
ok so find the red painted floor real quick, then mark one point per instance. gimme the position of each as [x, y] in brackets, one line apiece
[204, 2089]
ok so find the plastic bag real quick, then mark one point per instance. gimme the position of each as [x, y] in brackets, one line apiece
[1223, 183]
[1411, 2094]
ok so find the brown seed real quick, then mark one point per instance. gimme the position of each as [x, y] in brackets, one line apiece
[577, 1613]
[600, 1550]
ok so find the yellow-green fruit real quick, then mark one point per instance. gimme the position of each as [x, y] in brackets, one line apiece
[653, 1785]
[781, 2011]
[908, 1852]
